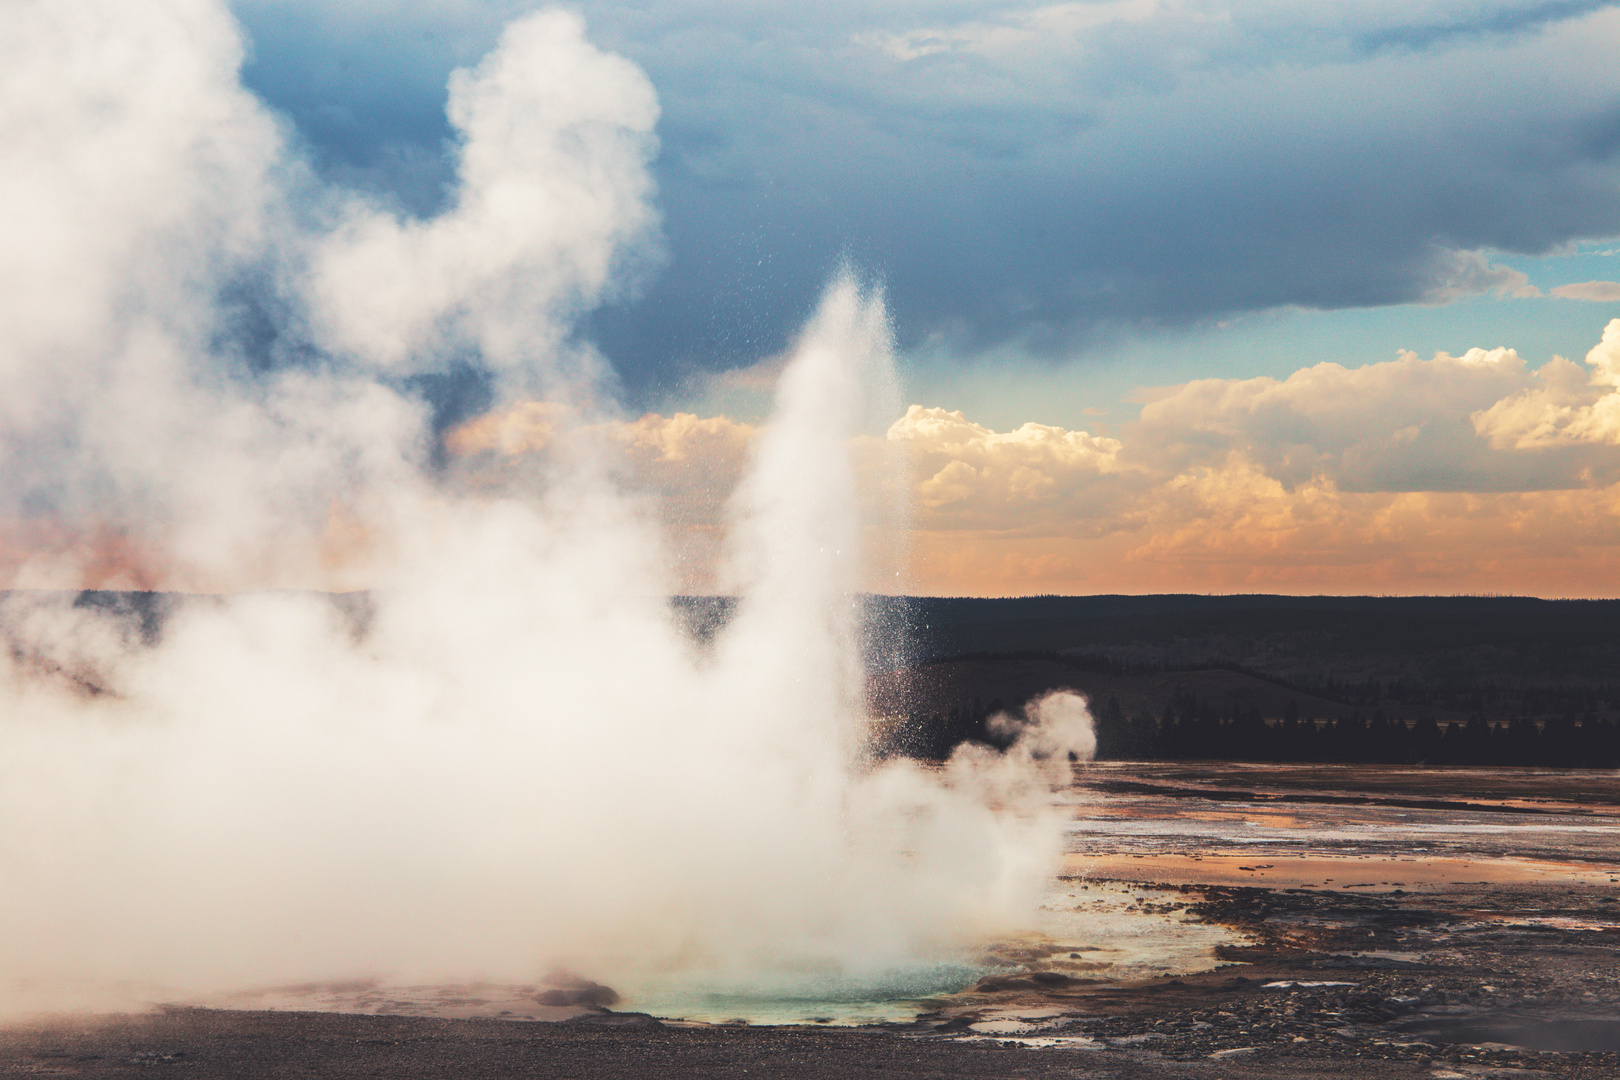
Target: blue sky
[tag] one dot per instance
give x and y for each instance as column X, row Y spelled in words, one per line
column 1065, row 201
column 1187, row 295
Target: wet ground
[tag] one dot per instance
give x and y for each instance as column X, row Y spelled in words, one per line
column 1213, row 921
column 1465, row 921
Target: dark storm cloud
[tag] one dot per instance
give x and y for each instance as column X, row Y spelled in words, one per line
column 1030, row 173
column 1475, row 22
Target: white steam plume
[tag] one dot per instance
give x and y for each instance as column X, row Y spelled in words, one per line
column 555, row 137
column 513, row 753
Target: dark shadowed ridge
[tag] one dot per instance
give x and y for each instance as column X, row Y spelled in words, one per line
column 910, row 629
column 1454, row 679
column 1170, row 623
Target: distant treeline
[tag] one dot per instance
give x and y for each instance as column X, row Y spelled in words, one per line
column 1366, row 694
column 1191, row 730
column 1332, row 644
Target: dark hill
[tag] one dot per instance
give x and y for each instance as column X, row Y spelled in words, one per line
column 1519, row 679
column 1513, row 679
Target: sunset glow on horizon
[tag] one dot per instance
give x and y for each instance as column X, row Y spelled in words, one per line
column 1453, row 475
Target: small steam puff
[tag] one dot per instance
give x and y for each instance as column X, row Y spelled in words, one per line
column 1051, row 733
column 509, row 752
column 1054, row 727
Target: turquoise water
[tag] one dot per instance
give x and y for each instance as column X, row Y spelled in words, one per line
column 1086, row 930
column 796, row 997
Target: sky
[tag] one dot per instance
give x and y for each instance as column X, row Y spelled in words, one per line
column 1185, row 296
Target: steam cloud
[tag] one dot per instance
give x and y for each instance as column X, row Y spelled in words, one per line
column 512, row 754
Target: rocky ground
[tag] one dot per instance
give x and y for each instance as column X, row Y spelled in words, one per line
column 1491, row 951
column 272, row 1046
column 1471, row 982
column 1465, row 981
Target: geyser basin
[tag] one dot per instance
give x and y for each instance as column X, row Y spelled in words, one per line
column 1090, row 931
column 1102, row 931
column 803, row 997
column 515, row 755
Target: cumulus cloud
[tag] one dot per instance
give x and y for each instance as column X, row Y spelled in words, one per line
column 1236, row 528
column 1025, row 480
column 1565, row 406
column 1402, row 425
column 1232, row 528
column 677, row 452
column 686, row 466
column 1452, row 473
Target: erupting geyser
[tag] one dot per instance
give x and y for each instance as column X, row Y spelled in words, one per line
column 511, row 754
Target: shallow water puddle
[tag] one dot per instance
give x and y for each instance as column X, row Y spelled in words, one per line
column 1085, row 930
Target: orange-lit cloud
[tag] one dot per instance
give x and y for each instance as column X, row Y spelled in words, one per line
column 684, row 465
column 1454, row 474
column 1404, row 425
column 50, row 555
column 1028, row 480
column 1469, row 473
column 1566, row 407
column 683, row 455
column 1233, row 529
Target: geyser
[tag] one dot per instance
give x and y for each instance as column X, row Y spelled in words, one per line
column 511, row 755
